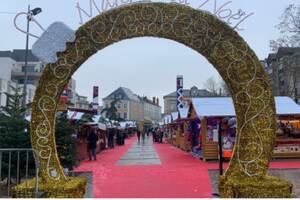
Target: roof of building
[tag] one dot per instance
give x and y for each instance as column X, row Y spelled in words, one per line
column 187, row 93
column 145, row 99
column 283, row 51
column 19, row 55
column 223, row 106
column 122, row 93
column 271, row 57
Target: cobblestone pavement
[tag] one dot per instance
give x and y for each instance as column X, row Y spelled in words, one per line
column 292, row 175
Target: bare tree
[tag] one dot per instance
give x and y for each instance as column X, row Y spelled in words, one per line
column 224, row 89
column 289, row 28
column 211, row 85
column 291, row 76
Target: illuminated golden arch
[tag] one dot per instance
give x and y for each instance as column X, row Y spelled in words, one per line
column 201, row 31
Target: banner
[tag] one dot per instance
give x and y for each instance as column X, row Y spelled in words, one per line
column 179, row 91
column 95, row 98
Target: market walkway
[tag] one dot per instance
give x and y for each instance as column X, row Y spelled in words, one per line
column 140, row 154
column 152, row 170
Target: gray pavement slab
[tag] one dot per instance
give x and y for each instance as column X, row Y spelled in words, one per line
column 140, row 154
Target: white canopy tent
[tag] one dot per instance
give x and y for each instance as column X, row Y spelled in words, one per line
column 167, row 119
column 223, row 106
column 127, row 124
column 74, row 115
column 174, row 116
column 183, row 112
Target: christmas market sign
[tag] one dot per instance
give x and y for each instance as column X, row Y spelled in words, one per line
column 219, row 43
column 220, row 10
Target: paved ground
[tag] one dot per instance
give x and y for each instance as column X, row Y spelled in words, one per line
column 141, row 153
column 161, row 170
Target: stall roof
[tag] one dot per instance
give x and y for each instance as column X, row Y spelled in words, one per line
column 74, row 115
column 101, row 126
column 127, row 124
column 183, row 112
column 174, row 116
column 223, row 106
column 98, row 124
column 96, row 118
column 167, row 119
column 286, row 106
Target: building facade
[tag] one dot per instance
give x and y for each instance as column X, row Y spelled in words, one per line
column 132, row 107
column 72, row 96
column 129, row 106
column 81, row 102
column 170, row 104
column 283, row 68
column 12, row 73
column 151, row 109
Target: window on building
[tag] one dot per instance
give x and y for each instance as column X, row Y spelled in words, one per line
column 29, row 94
column 125, row 105
column 125, row 115
column 119, row 105
column 29, row 68
column 30, row 81
column 119, row 115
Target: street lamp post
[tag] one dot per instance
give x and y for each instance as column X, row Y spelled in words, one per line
column 30, row 14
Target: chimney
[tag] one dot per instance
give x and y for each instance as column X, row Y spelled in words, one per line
column 157, row 101
column 153, row 100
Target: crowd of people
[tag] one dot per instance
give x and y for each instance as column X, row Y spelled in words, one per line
column 97, row 139
column 157, row 134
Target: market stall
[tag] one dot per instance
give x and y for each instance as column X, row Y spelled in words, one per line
column 81, row 140
column 176, row 127
column 287, row 143
column 167, row 120
column 184, row 141
column 217, row 116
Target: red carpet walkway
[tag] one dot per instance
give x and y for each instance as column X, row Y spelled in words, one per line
column 179, row 174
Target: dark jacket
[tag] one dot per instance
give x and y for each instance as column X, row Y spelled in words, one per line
column 92, row 140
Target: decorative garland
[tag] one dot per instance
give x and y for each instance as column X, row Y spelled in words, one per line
column 201, row 31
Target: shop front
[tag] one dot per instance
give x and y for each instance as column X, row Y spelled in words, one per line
column 217, row 116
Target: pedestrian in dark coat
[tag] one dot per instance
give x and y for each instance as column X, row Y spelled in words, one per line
column 111, row 134
column 138, row 133
column 92, row 143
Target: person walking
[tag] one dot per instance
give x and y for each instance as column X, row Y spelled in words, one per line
column 92, row 143
column 143, row 136
column 138, row 133
column 111, row 138
column 154, row 135
column 161, row 135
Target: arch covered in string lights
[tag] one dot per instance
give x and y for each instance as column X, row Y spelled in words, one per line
column 210, row 37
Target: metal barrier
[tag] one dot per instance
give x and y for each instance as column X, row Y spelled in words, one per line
column 12, row 164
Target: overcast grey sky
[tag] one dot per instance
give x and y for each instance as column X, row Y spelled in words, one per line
column 148, row 66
